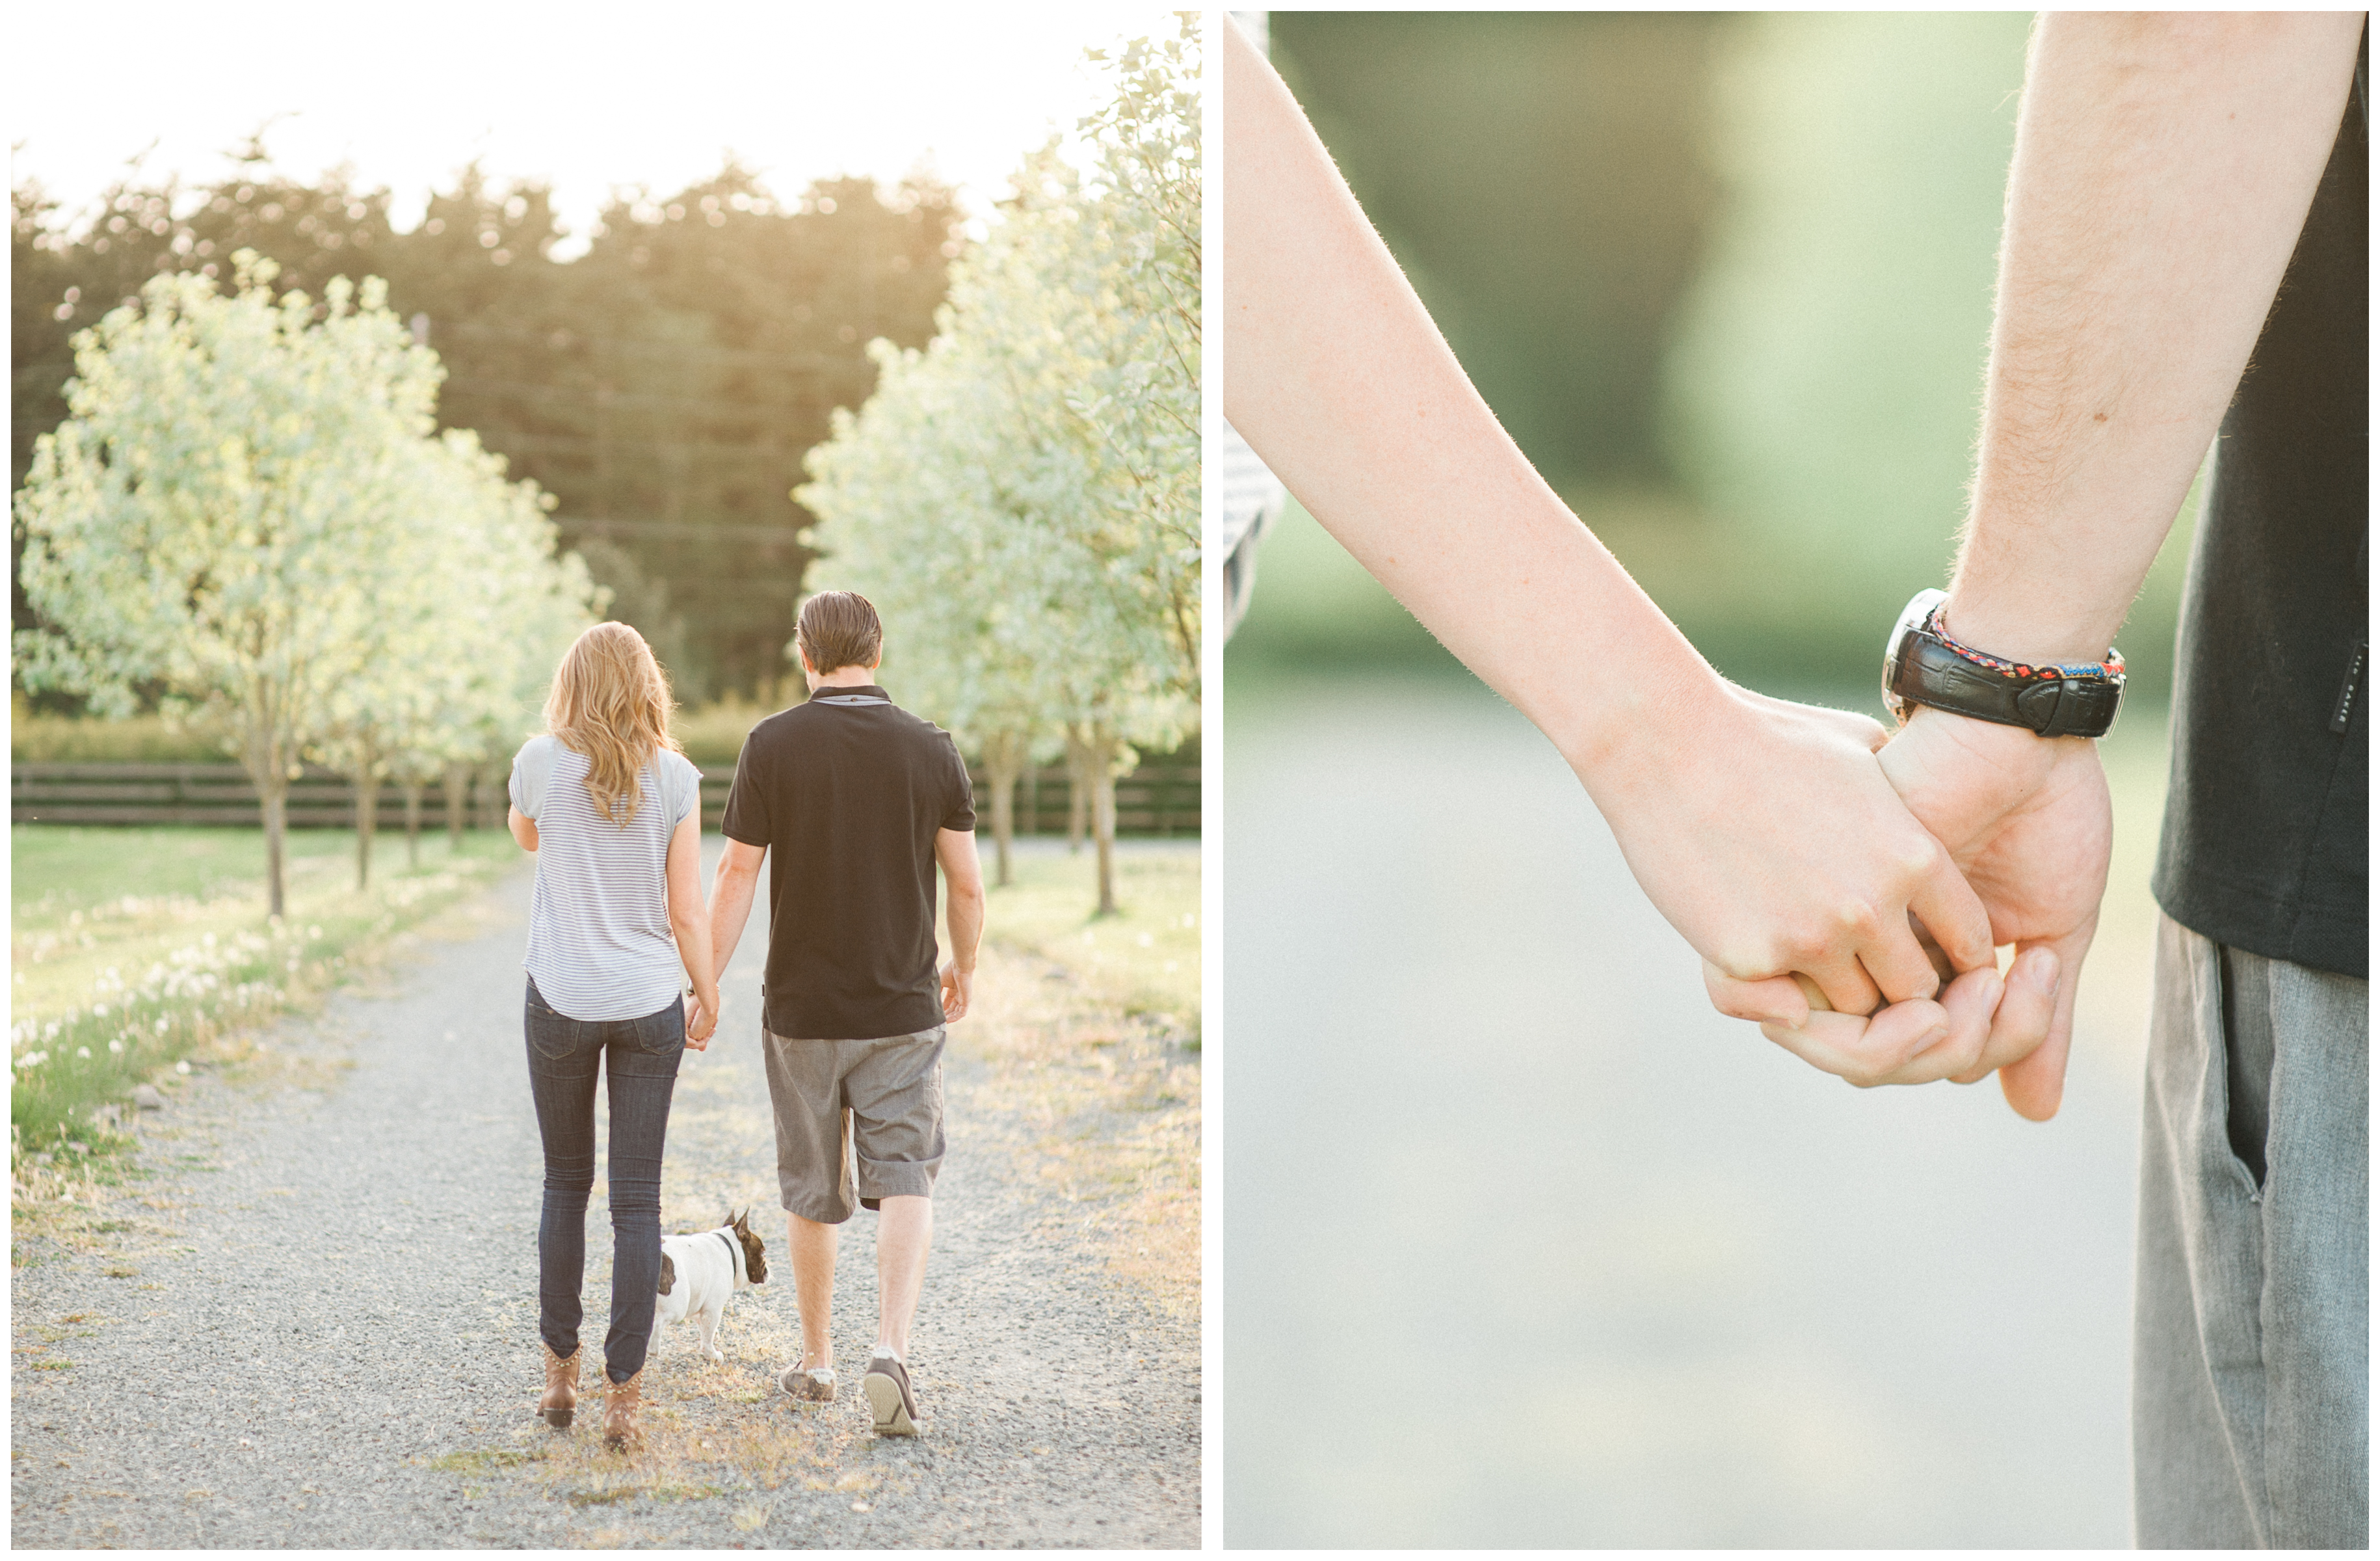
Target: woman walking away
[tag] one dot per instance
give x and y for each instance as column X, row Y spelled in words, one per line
column 611, row 805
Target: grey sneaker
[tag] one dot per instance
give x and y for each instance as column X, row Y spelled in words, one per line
column 816, row 1383
column 887, row 1386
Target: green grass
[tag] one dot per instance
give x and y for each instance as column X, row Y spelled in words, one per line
column 131, row 948
column 62, row 868
column 1146, row 957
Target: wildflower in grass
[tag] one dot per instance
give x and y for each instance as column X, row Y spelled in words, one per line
column 116, row 1047
column 182, row 1067
column 82, row 1051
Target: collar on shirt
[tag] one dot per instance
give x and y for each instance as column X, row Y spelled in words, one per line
column 864, row 693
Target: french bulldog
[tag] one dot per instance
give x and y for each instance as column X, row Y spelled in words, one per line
column 702, row 1270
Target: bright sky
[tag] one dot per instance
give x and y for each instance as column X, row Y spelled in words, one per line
column 587, row 96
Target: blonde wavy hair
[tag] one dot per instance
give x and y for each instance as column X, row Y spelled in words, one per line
column 610, row 702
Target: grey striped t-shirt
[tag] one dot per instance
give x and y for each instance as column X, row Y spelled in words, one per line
column 600, row 946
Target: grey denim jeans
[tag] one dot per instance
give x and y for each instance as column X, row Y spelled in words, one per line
column 2250, row 1335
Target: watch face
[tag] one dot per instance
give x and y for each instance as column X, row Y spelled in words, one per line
column 1911, row 618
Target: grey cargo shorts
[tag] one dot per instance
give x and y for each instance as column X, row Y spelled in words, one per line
column 873, row 1107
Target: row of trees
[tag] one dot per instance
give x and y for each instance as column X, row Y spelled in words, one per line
column 251, row 519
column 663, row 385
column 1020, row 498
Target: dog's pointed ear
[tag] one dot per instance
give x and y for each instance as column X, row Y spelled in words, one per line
column 669, row 1274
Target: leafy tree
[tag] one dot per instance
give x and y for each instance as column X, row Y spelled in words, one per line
column 664, row 385
column 933, row 549
column 471, row 614
column 247, row 519
column 681, row 443
column 205, row 522
column 1035, row 472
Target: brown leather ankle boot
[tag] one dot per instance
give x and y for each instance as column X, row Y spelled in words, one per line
column 560, row 1387
column 621, row 1401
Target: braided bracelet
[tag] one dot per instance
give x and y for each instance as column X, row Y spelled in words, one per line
column 2112, row 667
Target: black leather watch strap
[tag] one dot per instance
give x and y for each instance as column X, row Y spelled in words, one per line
column 1927, row 672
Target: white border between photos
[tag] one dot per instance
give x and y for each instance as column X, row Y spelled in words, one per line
column 1210, row 809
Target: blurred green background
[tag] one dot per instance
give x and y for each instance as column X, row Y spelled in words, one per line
column 1570, row 1258
column 1727, row 279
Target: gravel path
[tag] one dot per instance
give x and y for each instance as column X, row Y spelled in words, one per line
column 1675, row 1288
column 318, row 1325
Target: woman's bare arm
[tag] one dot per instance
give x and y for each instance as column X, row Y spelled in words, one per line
column 1764, row 831
column 691, row 923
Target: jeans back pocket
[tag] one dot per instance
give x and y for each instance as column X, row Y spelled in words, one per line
column 554, row 1036
column 663, row 1033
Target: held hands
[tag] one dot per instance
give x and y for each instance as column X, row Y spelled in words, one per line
column 701, row 1020
column 2028, row 824
column 2028, row 820
column 1768, row 834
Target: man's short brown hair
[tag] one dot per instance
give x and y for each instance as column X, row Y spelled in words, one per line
column 839, row 628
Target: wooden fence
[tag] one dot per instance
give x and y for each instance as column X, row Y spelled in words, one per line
column 1161, row 797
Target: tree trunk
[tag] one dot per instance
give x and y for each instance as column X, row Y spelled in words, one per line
column 457, row 776
column 1003, row 760
column 268, row 769
column 1079, row 791
column 1103, row 813
column 367, row 814
column 413, row 824
column 273, row 792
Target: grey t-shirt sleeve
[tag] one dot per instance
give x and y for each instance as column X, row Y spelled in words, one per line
column 681, row 786
column 532, row 768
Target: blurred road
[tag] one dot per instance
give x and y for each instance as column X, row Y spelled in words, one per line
column 1526, row 1246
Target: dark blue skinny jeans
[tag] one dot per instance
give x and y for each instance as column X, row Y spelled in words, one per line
column 638, row 1060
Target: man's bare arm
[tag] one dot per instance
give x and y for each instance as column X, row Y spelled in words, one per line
column 731, row 898
column 954, row 848
column 2165, row 162
column 2164, row 167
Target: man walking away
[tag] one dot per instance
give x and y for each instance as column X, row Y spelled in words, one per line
column 853, row 800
